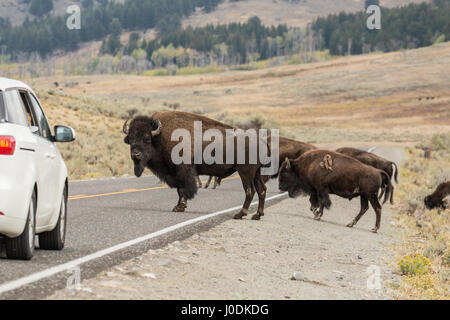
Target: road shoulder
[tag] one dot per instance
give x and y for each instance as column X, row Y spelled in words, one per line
column 258, row 260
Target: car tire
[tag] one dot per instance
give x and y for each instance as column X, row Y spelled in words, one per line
column 22, row 247
column 54, row 240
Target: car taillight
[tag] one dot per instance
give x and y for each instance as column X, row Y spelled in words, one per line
column 7, row 145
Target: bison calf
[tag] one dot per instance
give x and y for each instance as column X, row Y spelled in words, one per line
column 319, row 173
column 436, row 199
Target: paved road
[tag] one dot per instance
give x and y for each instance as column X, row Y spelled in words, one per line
column 107, row 213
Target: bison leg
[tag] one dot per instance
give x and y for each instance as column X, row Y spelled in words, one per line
column 313, row 199
column 199, row 181
column 208, row 182
column 377, row 207
column 217, row 182
column 261, row 190
column 324, row 201
column 187, row 186
column 182, row 202
column 362, row 211
column 247, row 179
column 318, row 213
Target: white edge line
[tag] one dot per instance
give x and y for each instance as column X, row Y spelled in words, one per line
column 71, row 264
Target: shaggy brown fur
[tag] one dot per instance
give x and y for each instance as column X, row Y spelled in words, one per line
column 348, row 179
column 291, row 149
column 374, row 161
column 151, row 146
column 436, row 199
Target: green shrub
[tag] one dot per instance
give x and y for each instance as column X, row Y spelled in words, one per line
column 417, row 265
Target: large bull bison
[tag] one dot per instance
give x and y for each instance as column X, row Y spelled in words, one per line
column 436, row 199
column 374, row 161
column 319, row 173
column 151, row 146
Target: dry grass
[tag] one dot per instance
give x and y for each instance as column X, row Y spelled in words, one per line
column 98, row 150
column 425, row 247
column 397, row 98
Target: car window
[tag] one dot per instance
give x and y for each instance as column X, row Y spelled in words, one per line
column 28, row 113
column 14, row 108
column 2, row 109
column 40, row 118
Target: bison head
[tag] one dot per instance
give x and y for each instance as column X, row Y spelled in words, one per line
column 288, row 179
column 141, row 135
column 431, row 203
column 428, row 202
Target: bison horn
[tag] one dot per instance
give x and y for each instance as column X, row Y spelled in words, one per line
column 288, row 163
column 157, row 131
column 125, row 127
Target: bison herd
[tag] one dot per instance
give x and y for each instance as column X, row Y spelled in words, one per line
column 303, row 168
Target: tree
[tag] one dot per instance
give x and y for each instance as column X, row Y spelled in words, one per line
column 371, row 2
column 41, row 7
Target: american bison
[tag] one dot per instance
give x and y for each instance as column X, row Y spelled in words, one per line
column 291, row 149
column 436, row 199
column 151, row 146
column 319, row 173
column 374, row 161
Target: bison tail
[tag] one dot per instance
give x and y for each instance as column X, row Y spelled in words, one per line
column 396, row 171
column 387, row 185
column 392, row 195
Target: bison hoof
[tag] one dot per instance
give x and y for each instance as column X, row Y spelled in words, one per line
column 375, row 230
column 350, row 225
column 178, row 209
column 238, row 216
column 317, row 217
column 256, row 216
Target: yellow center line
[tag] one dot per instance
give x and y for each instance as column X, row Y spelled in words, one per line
column 83, row 196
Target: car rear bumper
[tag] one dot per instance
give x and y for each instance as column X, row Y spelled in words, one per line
column 15, row 195
column 11, row 226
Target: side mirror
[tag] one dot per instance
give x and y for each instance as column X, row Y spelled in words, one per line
column 64, row 134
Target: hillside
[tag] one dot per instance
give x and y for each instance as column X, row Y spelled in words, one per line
column 274, row 12
column 399, row 97
column 17, row 10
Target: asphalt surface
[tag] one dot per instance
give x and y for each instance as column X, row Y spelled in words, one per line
column 108, row 212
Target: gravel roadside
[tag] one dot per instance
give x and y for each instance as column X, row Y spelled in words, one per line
column 286, row 255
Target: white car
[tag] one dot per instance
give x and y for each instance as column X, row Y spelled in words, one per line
column 33, row 176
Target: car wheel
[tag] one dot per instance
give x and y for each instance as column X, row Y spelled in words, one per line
column 54, row 240
column 22, row 247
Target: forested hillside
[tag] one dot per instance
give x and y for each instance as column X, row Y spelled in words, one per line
column 218, row 45
column 49, row 33
column 412, row 26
